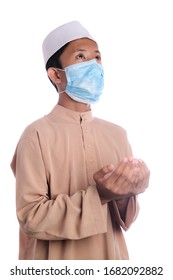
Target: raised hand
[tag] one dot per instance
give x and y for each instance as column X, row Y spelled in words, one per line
column 131, row 177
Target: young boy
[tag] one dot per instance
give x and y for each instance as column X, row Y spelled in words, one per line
column 76, row 179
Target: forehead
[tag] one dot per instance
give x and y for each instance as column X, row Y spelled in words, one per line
column 81, row 44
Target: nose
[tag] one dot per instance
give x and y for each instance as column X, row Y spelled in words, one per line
column 93, row 57
column 90, row 58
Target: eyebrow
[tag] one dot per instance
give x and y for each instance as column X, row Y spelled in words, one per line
column 83, row 50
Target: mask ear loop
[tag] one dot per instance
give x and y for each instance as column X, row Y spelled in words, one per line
column 61, row 69
column 61, row 91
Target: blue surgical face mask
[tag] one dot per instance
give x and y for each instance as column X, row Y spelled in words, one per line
column 85, row 81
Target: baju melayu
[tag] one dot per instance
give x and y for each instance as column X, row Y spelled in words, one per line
column 59, row 210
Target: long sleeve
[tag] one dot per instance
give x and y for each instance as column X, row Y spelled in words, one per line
column 132, row 210
column 65, row 217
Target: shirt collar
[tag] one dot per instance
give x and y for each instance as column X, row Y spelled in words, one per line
column 70, row 115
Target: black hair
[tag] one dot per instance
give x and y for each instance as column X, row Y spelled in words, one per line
column 54, row 61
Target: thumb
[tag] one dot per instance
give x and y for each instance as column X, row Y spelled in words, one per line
column 103, row 171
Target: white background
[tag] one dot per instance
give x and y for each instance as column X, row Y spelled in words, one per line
column 136, row 42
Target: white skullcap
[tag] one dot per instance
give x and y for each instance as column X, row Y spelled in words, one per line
column 62, row 35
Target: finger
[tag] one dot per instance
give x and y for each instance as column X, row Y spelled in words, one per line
column 120, row 173
column 145, row 173
column 103, row 171
column 143, row 179
column 116, row 173
column 129, row 178
column 119, row 170
column 130, row 175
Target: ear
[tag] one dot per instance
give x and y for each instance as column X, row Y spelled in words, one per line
column 54, row 75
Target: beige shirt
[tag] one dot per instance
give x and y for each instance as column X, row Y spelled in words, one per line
column 58, row 207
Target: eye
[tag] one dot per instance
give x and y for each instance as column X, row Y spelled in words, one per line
column 80, row 56
column 98, row 57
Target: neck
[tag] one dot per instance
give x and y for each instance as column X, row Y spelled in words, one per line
column 67, row 102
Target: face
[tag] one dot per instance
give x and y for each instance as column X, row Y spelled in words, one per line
column 77, row 51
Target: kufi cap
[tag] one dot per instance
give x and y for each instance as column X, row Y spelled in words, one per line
column 62, row 35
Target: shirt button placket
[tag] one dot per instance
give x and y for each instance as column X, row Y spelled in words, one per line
column 87, row 138
column 89, row 156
